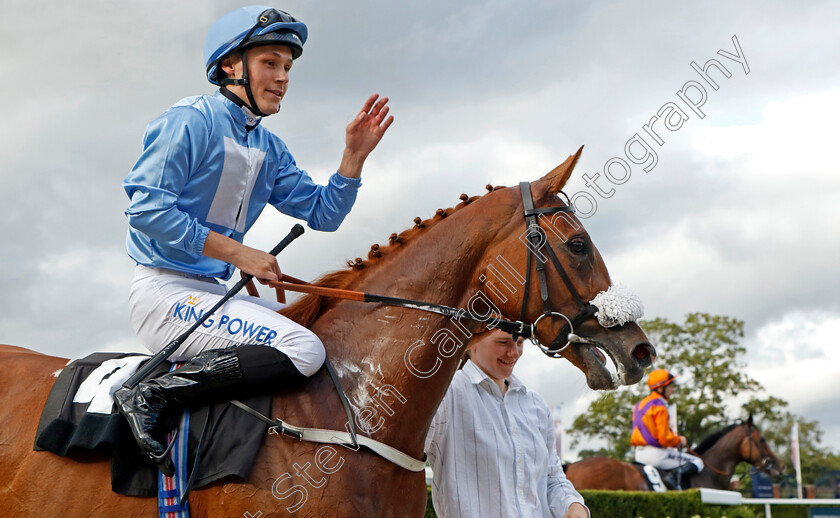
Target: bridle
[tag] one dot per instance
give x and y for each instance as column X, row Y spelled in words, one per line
column 766, row 460
column 537, row 243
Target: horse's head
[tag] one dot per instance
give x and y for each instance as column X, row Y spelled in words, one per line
column 574, row 274
column 755, row 450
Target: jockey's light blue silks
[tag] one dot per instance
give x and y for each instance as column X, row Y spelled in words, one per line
column 203, row 169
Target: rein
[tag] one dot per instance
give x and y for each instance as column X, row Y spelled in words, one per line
column 707, row 465
column 293, row 284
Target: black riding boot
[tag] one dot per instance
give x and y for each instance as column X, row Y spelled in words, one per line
column 687, row 470
column 152, row 407
column 671, row 478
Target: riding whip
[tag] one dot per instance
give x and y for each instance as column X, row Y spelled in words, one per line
column 172, row 346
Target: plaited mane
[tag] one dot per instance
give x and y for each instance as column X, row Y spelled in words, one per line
column 309, row 307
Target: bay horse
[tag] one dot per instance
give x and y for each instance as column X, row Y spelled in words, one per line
column 720, row 451
column 395, row 365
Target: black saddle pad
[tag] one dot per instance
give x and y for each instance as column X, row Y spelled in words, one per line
column 229, row 446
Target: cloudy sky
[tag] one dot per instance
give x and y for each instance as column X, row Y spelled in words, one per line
column 735, row 217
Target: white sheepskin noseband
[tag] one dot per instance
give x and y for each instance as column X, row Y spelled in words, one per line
column 617, row 306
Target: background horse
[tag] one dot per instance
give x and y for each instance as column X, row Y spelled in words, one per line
column 394, row 363
column 720, row 451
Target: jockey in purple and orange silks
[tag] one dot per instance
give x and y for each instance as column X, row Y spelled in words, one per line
column 656, row 444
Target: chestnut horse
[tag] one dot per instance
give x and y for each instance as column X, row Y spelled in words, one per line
column 720, row 451
column 395, row 365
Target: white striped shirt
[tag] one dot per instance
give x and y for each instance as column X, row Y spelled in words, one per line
column 494, row 456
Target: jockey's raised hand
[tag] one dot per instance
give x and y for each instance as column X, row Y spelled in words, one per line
column 363, row 134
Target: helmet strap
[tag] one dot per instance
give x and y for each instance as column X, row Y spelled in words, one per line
column 232, row 97
column 253, row 107
column 243, row 81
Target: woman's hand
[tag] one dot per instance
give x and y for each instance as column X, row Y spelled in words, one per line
column 577, row 511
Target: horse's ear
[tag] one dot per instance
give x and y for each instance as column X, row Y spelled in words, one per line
column 549, row 185
column 750, row 420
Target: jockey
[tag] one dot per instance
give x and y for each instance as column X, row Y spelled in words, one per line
column 207, row 170
column 653, row 438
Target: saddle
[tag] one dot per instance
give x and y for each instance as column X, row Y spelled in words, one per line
column 79, row 421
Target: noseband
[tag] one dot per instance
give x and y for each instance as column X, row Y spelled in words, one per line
column 537, row 242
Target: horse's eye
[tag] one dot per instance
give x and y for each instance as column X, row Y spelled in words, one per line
column 577, row 246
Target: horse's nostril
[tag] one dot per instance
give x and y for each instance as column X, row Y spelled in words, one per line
column 645, row 354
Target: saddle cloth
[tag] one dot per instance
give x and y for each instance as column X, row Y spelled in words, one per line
column 652, row 477
column 79, row 418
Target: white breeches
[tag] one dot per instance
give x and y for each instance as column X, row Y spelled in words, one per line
column 666, row 458
column 165, row 303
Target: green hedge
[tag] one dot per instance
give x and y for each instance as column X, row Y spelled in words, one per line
column 784, row 511
column 673, row 504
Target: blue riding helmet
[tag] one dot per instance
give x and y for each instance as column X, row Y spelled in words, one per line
column 248, row 27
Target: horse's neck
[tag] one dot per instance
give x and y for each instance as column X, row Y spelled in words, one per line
column 723, row 457
column 396, row 363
